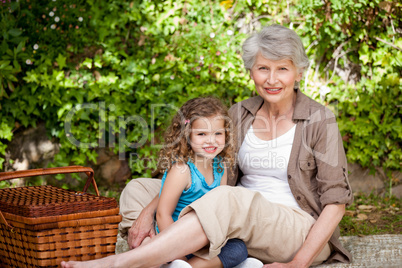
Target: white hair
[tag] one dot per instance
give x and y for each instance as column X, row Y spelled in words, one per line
column 275, row 42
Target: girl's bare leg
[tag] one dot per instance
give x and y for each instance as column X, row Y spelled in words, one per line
column 181, row 238
column 146, row 240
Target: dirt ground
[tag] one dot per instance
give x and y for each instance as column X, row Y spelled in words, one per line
column 378, row 218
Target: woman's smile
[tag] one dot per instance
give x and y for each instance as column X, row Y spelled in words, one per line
column 273, row 90
column 275, row 79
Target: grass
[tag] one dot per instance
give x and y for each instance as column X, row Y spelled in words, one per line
column 372, row 214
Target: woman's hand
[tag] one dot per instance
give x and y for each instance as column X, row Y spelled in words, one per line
column 140, row 229
column 143, row 227
column 317, row 238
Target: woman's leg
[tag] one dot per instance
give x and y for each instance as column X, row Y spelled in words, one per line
column 137, row 194
column 179, row 239
column 270, row 231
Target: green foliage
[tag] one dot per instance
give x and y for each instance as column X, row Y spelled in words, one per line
column 357, row 54
column 111, row 73
column 97, row 72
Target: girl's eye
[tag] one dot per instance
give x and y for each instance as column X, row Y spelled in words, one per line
column 200, row 134
column 218, row 133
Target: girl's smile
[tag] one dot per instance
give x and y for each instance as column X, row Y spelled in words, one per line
column 207, row 138
column 210, row 150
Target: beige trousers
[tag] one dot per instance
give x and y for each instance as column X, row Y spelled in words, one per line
column 272, row 232
column 137, row 194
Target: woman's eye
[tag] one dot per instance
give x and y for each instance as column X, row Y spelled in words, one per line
column 218, row 133
column 262, row 68
column 283, row 68
column 201, row 134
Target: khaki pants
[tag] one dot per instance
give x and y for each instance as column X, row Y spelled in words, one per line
column 272, row 232
column 137, row 194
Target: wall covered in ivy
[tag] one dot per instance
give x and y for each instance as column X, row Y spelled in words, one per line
column 103, row 73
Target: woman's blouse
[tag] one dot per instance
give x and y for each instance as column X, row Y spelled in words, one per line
column 264, row 165
column 317, row 169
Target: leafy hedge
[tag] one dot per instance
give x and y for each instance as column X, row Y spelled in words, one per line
column 110, row 73
column 359, row 52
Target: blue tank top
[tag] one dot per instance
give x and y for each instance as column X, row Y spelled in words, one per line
column 198, row 187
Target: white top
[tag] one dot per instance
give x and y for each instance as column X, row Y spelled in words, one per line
column 264, row 165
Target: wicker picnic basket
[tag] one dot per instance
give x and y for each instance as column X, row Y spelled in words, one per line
column 42, row 225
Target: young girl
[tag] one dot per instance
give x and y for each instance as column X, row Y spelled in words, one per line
column 198, row 146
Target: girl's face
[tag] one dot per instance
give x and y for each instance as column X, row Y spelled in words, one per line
column 275, row 80
column 207, row 138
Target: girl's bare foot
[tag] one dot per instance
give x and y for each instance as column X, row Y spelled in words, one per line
column 99, row 263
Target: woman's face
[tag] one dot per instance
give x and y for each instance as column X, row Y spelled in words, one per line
column 275, row 79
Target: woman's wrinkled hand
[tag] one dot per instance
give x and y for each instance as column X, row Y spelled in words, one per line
column 142, row 228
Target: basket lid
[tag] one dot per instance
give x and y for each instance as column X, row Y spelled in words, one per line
column 47, row 200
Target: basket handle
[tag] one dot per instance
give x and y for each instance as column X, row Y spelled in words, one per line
column 52, row 171
column 48, row 171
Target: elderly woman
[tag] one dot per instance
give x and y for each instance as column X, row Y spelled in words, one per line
column 291, row 177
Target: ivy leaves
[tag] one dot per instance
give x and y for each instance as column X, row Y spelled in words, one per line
column 364, row 34
column 136, row 62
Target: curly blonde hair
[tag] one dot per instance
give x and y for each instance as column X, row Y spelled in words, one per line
column 177, row 136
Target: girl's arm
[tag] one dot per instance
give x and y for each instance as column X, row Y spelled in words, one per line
column 177, row 180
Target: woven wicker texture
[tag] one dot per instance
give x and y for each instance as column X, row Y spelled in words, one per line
column 47, row 200
column 47, row 248
column 42, row 225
